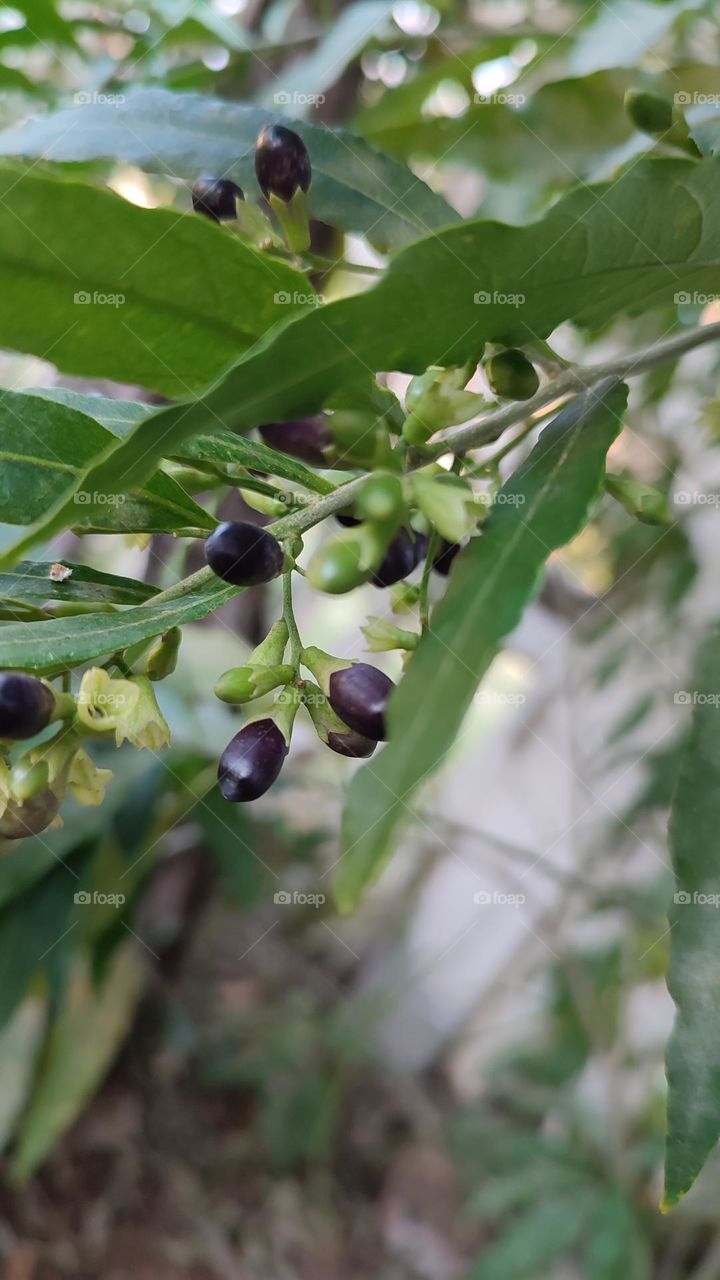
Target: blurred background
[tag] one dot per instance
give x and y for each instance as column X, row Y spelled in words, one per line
column 206, row 1072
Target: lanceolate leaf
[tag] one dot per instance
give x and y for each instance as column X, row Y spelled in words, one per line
column 46, row 450
column 82, row 1044
column 626, row 246
column 541, row 507
column 32, row 580
column 67, row 642
column 354, row 186
column 693, row 1056
column 144, row 296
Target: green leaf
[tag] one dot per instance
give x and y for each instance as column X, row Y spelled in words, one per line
column 534, row 1240
column 30, row 927
column 46, row 450
column 614, row 1247
column 20, row 1043
column 693, row 1055
column 353, row 187
column 31, row 580
column 66, row 642
column 81, row 1047
column 224, row 447
column 144, row 296
column 627, row 246
column 541, row 507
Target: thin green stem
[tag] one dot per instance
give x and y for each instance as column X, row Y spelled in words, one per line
column 296, row 645
column 424, row 601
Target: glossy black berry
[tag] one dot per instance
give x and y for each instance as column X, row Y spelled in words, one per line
column 243, row 554
column 282, row 164
column 251, row 761
column 442, row 563
column 351, row 744
column 421, row 546
column 304, row 438
column 398, row 561
column 358, row 695
column 347, row 520
column 26, row 705
column 216, row 197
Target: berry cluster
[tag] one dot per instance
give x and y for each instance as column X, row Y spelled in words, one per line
column 408, row 516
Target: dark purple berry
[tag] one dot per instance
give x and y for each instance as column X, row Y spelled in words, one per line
column 304, row 438
column 26, row 705
column 442, row 563
column 351, row 744
column 421, row 546
column 243, row 553
column 358, row 695
column 398, row 561
column 282, row 164
column 216, row 197
column 347, row 520
column 251, row 761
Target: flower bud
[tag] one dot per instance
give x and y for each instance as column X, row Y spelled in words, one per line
column 640, row 500
column 243, row 553
column 216, row 198
column 383, row 636
column 243, row 684
column 357, row 692
column 26, row 705
column 303, row 438
column 446, row 500
column 162, row 656
column 360, row 439
column 331, row 729
column 436, row 399
column 511, row 375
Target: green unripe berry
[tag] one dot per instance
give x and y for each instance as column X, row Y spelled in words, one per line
column 381, row 499
column 511, row 375
column 338, row 566
column 244, row 684
column 649, row 112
